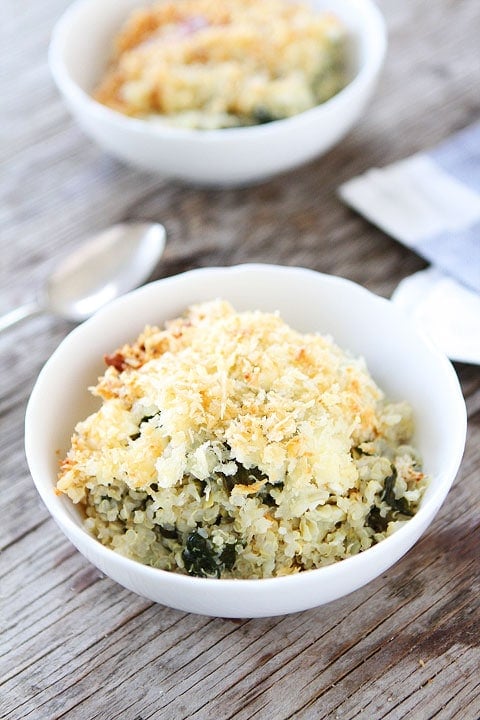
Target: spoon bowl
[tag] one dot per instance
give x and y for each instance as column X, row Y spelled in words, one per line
column 108, row 265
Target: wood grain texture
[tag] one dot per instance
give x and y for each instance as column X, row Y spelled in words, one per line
column 74, row 644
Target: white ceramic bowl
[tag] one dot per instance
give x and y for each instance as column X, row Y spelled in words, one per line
column 404, row 364
column 79, row 52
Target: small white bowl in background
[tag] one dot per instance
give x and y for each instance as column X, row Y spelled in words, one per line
column 404, row 364
column 79, row 52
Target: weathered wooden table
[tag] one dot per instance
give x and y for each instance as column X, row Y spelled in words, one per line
column 73, row 643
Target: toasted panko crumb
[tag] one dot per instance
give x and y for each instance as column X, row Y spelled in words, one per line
column 209, row 64
column 229, row 443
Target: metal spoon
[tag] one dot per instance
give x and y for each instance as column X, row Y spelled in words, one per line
column 111, row 263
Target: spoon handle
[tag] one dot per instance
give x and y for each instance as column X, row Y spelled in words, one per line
column 19, row 314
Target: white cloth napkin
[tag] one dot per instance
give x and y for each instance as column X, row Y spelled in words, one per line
column 431, row 203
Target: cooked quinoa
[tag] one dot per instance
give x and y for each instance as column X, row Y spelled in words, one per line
column 209, row 64
column 229, row 445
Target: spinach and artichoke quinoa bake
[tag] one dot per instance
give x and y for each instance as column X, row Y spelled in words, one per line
column 230, row 445
column 208, row 64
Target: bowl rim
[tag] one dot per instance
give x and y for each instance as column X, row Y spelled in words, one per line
column 81, row 538
column 77, row 95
